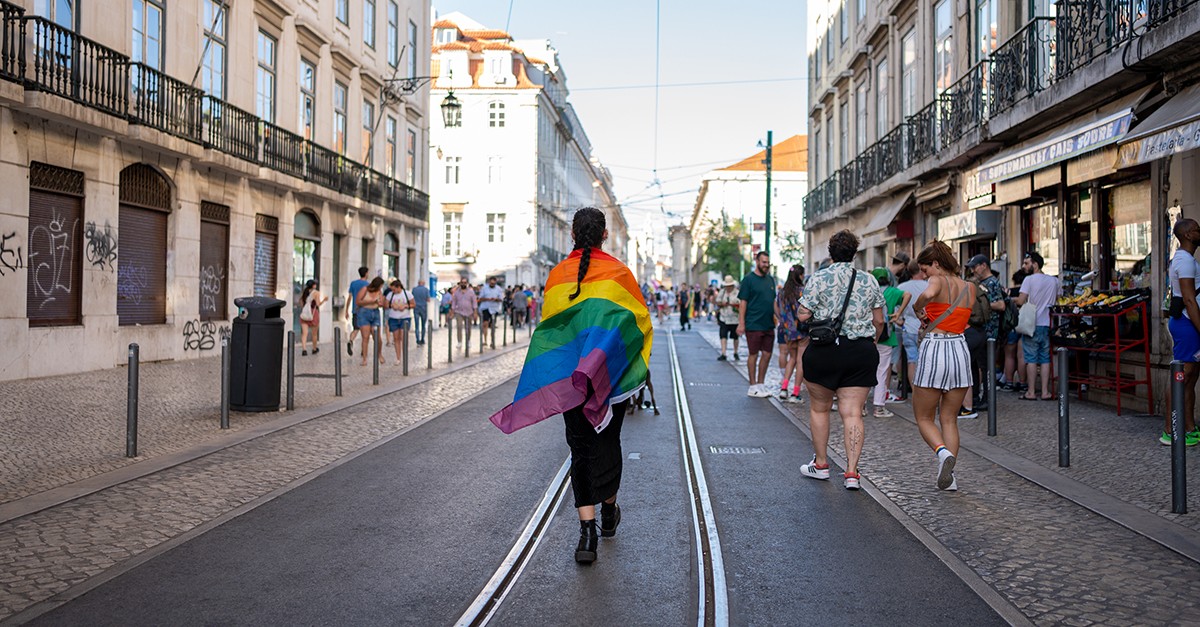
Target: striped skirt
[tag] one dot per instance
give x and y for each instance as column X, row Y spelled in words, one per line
column 943, row 362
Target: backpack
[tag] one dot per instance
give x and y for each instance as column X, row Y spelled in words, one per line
column 981, row 309
column 307, row 309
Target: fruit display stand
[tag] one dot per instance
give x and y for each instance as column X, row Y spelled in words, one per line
column 1113, row 326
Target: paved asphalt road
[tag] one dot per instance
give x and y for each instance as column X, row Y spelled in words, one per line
column 409, row 532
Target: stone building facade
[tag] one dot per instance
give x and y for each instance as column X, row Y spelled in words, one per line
column 1003, row 128
column 510, row 172
column 162, row 159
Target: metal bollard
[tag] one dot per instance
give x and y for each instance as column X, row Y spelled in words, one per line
column 991, row 386
column 467, row 339
column 450, row 339
column 337, row 361
column 514, row 328
column 504, row 333
column 291, row 370
column 428, row 348
column 375, row 362
column 131, row 403
column 1178, row 454
column 404, row 347
column 1064, row 411
column 481, row 336
column 224, row 383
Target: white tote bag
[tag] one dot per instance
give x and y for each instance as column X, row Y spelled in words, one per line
column 1027, row 319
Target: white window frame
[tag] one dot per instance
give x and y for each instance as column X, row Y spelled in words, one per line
column 308, row 99
column 368, row 22
column 341, row 100
column 266, row 52
column 214, row 48
column 496, row 114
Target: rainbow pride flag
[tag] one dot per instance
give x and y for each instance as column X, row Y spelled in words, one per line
column 600, row 340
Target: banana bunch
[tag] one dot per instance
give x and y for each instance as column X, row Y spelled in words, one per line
column 1089, row 298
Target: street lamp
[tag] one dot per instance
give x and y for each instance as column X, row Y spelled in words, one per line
column 767, row 162
column 396, row 88
column 451, row 111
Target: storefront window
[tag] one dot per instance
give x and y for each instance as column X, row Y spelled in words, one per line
column 1043, row 235
column 1129, row 209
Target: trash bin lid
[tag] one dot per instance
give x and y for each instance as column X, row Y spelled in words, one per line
column 258, row 302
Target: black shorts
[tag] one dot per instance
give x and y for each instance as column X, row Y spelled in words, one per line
column 485, row 316
column 847, row 364
column 727, row 331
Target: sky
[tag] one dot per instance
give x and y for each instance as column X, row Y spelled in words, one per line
column 751, row 54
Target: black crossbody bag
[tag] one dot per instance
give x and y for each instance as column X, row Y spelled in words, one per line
column 826, row 332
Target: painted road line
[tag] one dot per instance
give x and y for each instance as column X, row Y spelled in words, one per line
column 713, row 597
column 497, row 588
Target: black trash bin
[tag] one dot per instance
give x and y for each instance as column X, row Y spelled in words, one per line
column 256, row 354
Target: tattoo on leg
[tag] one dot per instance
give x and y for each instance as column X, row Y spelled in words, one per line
column 854, row 433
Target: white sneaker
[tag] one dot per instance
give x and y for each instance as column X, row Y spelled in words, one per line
column 850, row 482
column 752, row 390
column 783, row 394
column 810, row 470
column 953, row 484
column 763, row 392
column 945, row 476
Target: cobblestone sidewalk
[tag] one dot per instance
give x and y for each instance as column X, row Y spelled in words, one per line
column 59, row 430
column 1057, row 562
column 47, row 552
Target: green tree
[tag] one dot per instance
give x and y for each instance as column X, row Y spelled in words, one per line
column 792, row 250
column 725, row 253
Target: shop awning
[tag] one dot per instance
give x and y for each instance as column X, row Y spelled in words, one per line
column 1106, row 125
column 1174, row 127
column 886, row 213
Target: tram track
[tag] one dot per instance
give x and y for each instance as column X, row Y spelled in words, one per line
column 712, row 608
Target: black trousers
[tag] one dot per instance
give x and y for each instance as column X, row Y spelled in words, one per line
column 595, row 457
column 977, row 345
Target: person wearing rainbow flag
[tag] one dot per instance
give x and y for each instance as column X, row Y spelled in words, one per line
column 589, row 354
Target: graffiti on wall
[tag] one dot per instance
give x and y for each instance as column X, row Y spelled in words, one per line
column 132, row 282
column 101, row 245
column 212, row 278
column 203, row 336
column 11, row 259
column 50, row 252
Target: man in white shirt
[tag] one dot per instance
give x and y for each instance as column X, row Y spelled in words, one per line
column 1041, row 290
column 491, row 298
column 1184, row 325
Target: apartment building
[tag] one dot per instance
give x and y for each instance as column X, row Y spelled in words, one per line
column 512, row 167
column 161, row 159
column 1066, row 128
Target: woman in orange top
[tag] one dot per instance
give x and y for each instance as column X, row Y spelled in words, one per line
column 943, row 375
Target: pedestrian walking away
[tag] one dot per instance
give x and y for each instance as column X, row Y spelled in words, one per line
column 914, row 287
column 986, row 313
column 587, row 357
column 728, row 306
column 463, row 306
column 1040, row 291
column 399, row 314
column 756, row 321
column 420, row 311
column 356, row 286
column 848, row 303
column 895, row 300
column 943, row 369
column 792, row 333
column 1184, row 324
column 369, row 301
column 311, row 301
column 685, row 306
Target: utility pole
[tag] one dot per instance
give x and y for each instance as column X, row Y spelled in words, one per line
column 767, row 241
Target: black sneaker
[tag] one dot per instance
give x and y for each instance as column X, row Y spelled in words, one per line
column 722, row 357
column 963, row 412
column 350, row 348
column 585, row 552
column 736, row 358
column 610, row 517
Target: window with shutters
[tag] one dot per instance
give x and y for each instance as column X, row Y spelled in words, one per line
column 214, row 261
column 55, row 257
column 145, row 203
column 266, row 247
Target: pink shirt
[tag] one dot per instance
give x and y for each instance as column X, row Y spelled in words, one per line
column 463, row 302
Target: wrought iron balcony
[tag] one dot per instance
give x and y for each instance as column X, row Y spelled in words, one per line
column 75, row 67
column 921, row 135
column 821, row 203
column 1024, row 65
column 963, row 106
column 283, row 151
column 163, row 103
column 323, row 166
column 12, row 42
column 229, row 129
column 408, row 201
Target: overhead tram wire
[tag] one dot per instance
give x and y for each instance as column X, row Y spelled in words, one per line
column 696, row 84
column 657, row 84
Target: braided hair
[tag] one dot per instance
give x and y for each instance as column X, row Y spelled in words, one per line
column 588, row 230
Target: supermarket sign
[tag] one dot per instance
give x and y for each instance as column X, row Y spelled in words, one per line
column 1097, row 134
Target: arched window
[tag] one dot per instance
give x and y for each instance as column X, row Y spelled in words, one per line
column 145, row 204
column 496, row 114
column 391, row 255
column 306, row 255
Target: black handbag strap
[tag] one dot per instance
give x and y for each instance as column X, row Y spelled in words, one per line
column 845, row 303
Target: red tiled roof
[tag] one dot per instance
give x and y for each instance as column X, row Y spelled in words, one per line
column 487, row 33
column 790, row 155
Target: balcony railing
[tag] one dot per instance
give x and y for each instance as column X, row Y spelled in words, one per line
column 921, row 135
column 229, row 129
column 963, row 107
column 323, row 166
column 283, row 151
column 163, row 103
column 12, row 41
column 409, row 201
column 1024, row 65
column 77, row 68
